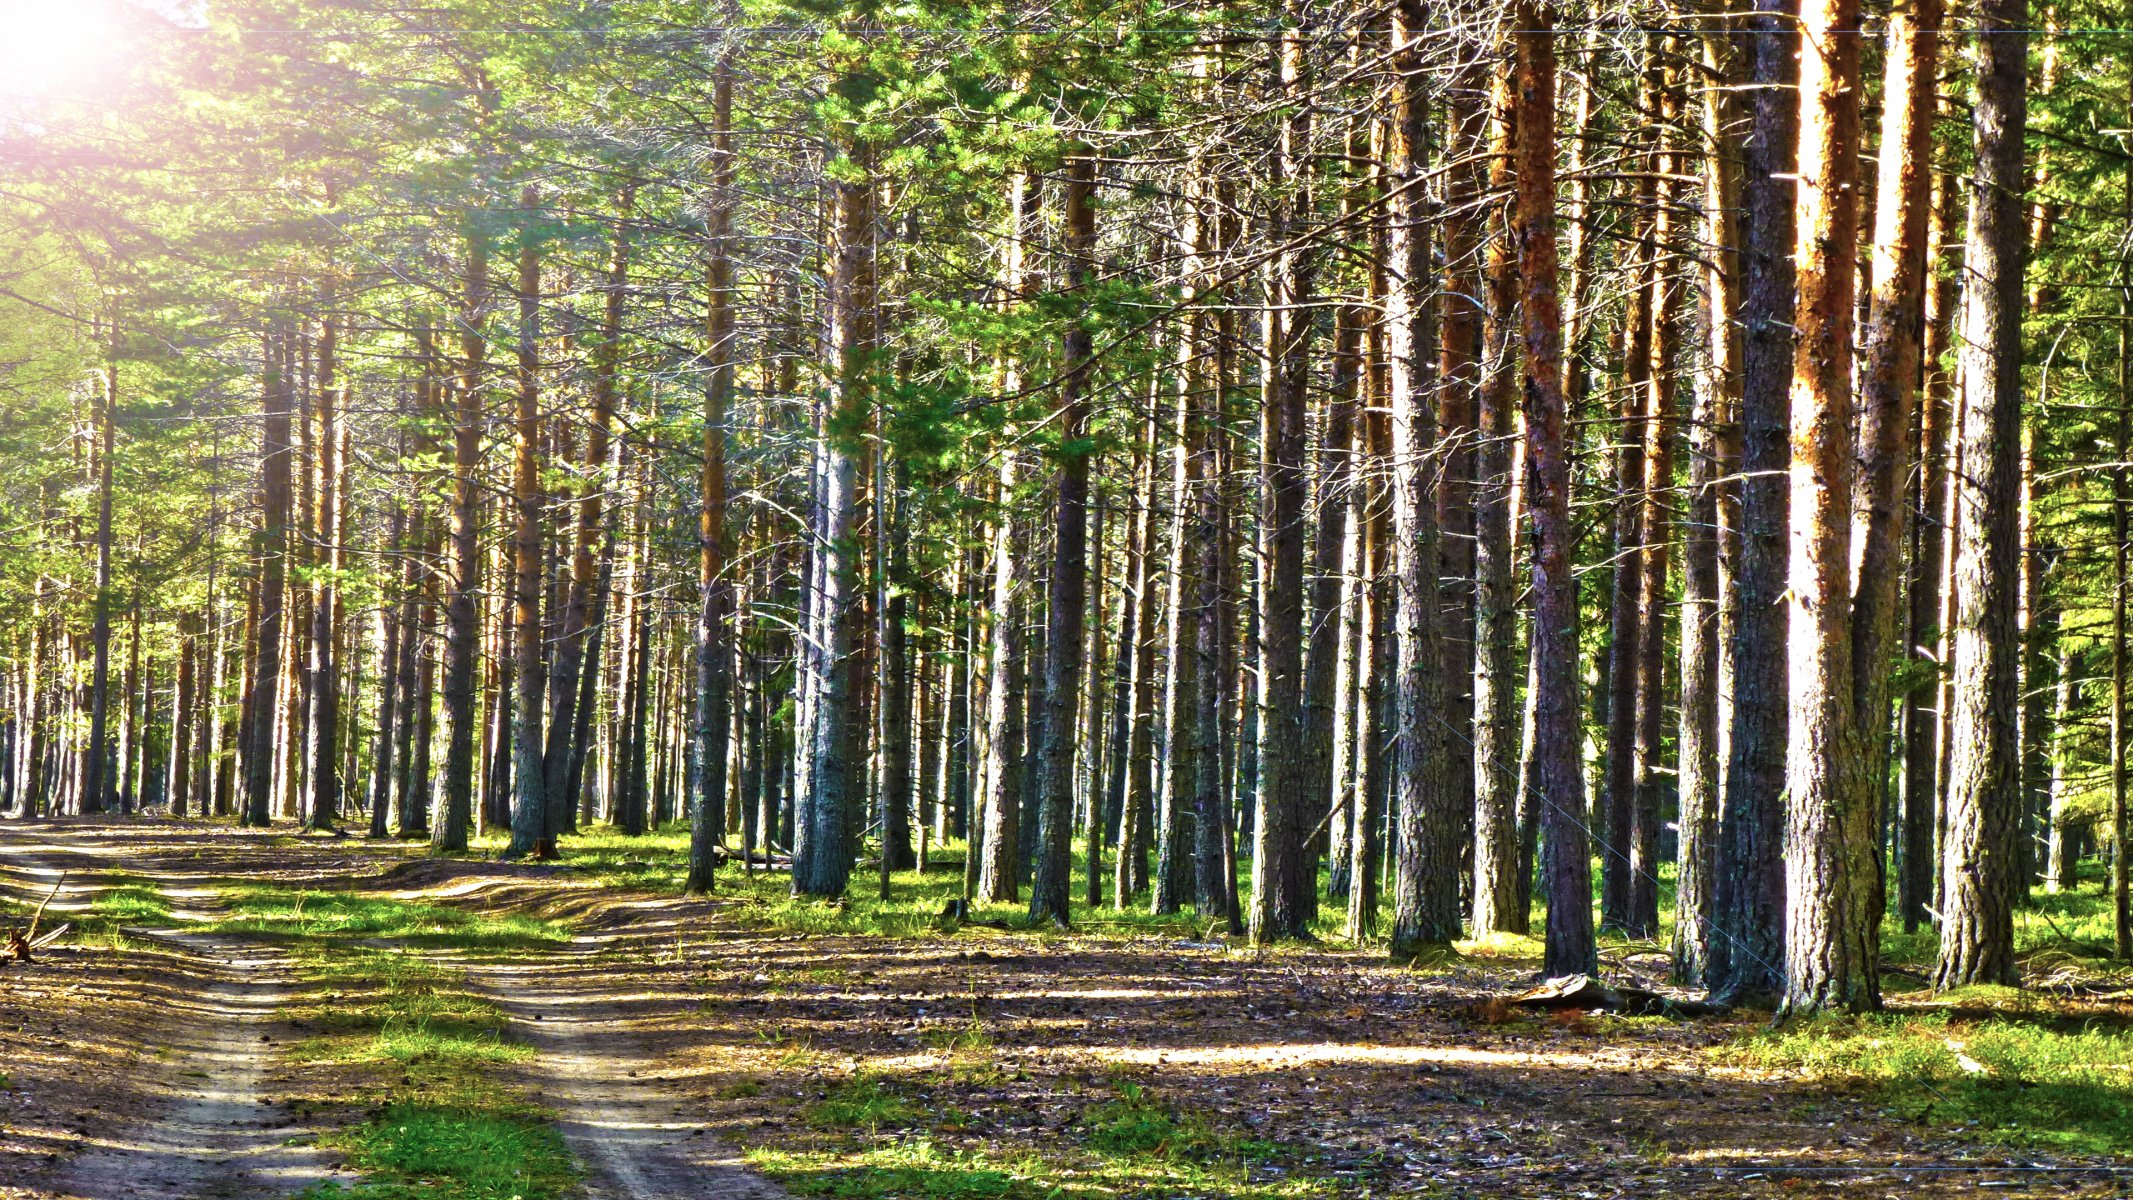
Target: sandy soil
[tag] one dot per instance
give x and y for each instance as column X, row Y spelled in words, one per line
column 675, row 1034
column 160, row 1052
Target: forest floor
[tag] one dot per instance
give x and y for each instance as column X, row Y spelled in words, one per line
column 345, row 1014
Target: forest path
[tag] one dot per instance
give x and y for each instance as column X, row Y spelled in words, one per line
column 599, row 1070
column 204, row 1127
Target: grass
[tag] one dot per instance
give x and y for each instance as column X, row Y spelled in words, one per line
column 881, row 1138
column 339, row 917
column 405, row 1048
column 423, row 1048
column 2028, row 1078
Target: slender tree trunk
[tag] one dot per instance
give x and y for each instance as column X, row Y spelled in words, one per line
column 1921, row 707
column 1051, row 890
column 1557, row 774
column 1656, row 533
column 1425, row 865
column 1979, row 858
column 822, row 860
column 1832, row 950
column 1498, row 900
column 1284, row 885
column 273, row 566
column 463, row 612
column 530, row 832
column 325, row 798
column 97, row 784
column 1889, row 387
column 1710, row 514
column 714, row 619
column 1748, row 903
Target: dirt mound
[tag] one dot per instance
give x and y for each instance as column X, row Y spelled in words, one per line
column 428, row 873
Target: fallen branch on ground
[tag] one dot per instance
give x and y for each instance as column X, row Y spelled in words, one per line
column 1583, row 991
column 20, row 943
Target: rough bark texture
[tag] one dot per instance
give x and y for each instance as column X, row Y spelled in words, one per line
column 823, row 850
column 1558, row 776
column 1700, row 745
column 463, row 611
column 1052, row 886
column 1979, row 868
column 1888, row 389
column 1656, row 534
column 1425, row 862
column 1915, row 856
column 714, row 600
column 1499, row 902
column 1748, row 903
column 1284, row 883
column 273, row 568
column 529, row 831
column 1831, row 948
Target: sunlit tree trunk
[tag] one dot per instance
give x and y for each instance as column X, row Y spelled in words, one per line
column 1425, row 864
column 1557, row 774
column 273, row 566
column 713, row 657
column 1748, row 903
column 1284, row 884
column 1979, row 861
column 1709, row 513
column 530, row 833
column 1921, row 707
column 1498, row 900
column 1831, row 875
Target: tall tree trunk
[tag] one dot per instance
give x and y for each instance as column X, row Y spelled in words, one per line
column 1921, row 707
column 822, row 857
column 325, row 799
column 1710, row 516
column 1832, row 951
column 1748, row 903
column 97, row 783
column 463, row 611
column 1052, row 887
column 1284, row 884
column 1558, row 776
column 1655, row 534
column 1425, row 865
column 273, row 567
column 1132, row 718
column 714, row 618
column 530, row 830
column 1889, row 387
column 1978, row 857
column 1499, row 906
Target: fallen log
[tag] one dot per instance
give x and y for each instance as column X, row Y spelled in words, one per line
column 1583, row 991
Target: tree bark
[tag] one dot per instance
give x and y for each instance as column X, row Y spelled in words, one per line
column 1831, row 929
column 1558, row 776
column 1051, row 890
column 1978, row 857
column 1748, row 903
column 462, row 610
column 714, row 618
